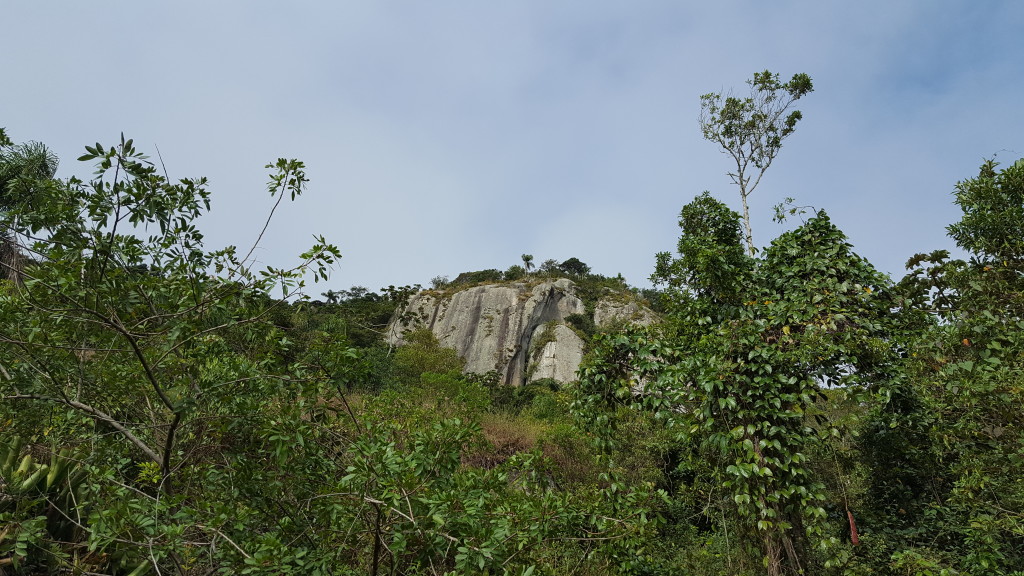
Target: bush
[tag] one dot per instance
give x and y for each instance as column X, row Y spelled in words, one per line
column 583, row 323
column 489, row 275
column 548, row 406
column 512, row 399
column 423, row 353
column 515, row 272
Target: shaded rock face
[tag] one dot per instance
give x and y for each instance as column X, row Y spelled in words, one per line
column 516, row 329
column 492, row 326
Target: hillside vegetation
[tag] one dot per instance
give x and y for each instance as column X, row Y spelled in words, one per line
column 166, row 408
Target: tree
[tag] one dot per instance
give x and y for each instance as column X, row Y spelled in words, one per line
column 528, row 262
column 574, row 267
column 154, row 362
column 751, row 129
column 24, row 169
column 514, row 272
column 992, row 226
column 751, row 352
column 549, row 266
column 943, row 451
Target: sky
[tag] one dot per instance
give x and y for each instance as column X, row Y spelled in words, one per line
column 449, row 136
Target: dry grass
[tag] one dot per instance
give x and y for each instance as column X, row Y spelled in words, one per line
column 506, row 436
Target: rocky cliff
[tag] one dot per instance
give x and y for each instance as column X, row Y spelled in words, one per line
column 517, row 329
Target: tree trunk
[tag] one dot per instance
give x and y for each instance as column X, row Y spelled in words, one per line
column 749, row 233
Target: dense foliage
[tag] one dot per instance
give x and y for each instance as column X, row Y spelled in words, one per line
column 162, row 413
column 168, row 409
column 832, row 421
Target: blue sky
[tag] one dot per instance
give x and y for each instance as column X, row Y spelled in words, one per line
column 442, row 137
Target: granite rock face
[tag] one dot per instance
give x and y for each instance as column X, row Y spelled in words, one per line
column 517, row 329
column 558, row 355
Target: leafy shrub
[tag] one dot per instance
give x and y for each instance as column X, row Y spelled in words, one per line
column 548, row 405
column 572, row 453
column 583, row 323
column 463, row 397
column 514, row 272
column 423, row 353
column 512, row 399
column 480, row 276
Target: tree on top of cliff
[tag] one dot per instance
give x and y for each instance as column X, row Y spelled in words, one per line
column 574, row 267
column 527, row 262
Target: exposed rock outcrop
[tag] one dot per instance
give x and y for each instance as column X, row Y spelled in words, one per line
column 491, row 326
column 556, row 353
column 611, row 310
column 517, row 329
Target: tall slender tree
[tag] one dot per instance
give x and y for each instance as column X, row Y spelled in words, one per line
column 751, row 129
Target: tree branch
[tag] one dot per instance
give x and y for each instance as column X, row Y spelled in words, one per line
column 98, row 415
